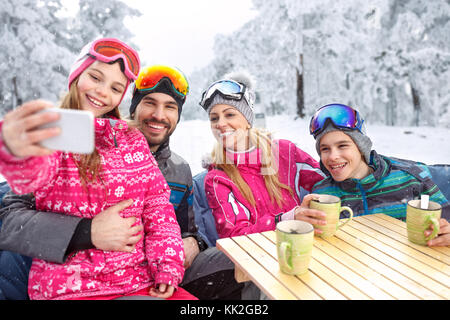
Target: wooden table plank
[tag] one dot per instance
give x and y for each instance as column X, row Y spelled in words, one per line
column 400, row 227
column 260, row 276
column 401, row 257
column 350, row 245
column 369, row 258
column 371, row 228
column 420, row 284
column 312, row 279
column 383, row 228
column 321, row 287
column 333, row 279
column 344, row 280
column 393, row 224
column 295, row 285
column 363, row 270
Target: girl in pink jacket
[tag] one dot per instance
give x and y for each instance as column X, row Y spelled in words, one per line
column 121, row 167
column 253, row 181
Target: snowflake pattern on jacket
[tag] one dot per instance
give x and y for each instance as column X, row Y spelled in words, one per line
column 129, row 171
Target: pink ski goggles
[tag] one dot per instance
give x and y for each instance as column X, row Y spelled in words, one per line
column 109, row 49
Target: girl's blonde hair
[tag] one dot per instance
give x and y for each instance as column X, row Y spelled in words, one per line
column 269, row 159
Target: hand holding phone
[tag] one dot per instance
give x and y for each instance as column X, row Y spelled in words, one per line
column 77, row 131
column 19, row 129
column 25, row 129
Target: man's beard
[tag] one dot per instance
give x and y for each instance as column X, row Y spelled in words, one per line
column 152, row 144
column 151, row 141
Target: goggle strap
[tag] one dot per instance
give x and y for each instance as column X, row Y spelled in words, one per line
column 206, row 102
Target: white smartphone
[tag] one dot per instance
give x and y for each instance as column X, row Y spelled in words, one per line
column 77, row 131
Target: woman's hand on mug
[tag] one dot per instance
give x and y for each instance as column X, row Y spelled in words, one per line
column 304, row 213
column 20, row 129
column 443, row 237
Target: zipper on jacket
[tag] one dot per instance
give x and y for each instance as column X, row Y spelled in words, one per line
column 364, row 197
column 112, row 123
column 114, row 136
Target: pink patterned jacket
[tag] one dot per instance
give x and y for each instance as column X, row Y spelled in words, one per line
column 234, row 215
column 129, row 171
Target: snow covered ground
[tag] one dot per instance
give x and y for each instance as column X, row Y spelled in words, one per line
column 193, row 139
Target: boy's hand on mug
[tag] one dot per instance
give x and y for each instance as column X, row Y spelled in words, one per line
column 443, row 238
column 304, row 213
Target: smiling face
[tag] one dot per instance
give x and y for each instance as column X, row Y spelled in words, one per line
column 341, row 157
column 101, row 87
column 229, row 127
column 157, row 115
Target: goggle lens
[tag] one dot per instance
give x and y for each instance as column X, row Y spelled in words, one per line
column 229, row 88
column 226, row 87
column 150, row 77
column 341, row 115
column 112, row 49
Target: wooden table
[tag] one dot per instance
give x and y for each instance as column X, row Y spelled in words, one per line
column 369, row 258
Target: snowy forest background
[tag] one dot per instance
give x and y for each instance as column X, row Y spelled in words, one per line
column 388, row 58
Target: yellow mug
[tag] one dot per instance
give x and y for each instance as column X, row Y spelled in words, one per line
column 418, row 220
column 294, row 246
column 331, row 205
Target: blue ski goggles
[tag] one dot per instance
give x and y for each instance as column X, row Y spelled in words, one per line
column 229, row 89
column 340, row 115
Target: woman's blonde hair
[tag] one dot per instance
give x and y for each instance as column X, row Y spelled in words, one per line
column 269, row 169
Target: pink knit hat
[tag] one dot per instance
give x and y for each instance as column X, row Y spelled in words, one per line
column 82, row 62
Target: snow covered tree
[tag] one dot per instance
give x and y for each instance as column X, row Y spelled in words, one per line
column 32, row 61
column 267, row 47
column 97, row 19
column 388, row 58
column 38, row 46
column 415, row 59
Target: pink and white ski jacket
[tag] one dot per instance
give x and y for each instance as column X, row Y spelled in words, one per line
column 234, row 215
column 129, row 171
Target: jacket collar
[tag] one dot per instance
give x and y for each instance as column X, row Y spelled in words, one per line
column 106, row 130
column 251, row 156
column 248, row 160
column 163, row 153
column 102, row 124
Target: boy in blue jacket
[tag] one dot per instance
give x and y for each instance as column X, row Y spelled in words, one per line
column 367, row 182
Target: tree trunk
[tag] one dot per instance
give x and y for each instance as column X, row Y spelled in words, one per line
column 300, row 92
column 416, row 104
column 391, row 106
column 17, row 101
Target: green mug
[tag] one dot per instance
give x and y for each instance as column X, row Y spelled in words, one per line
column 418, row 220
column 294, row 246
column 331, row 205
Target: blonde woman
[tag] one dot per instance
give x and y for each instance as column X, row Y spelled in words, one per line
column 252, row 181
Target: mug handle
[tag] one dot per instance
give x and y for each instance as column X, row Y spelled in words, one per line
column 348, row 219
column 435, row 223
column 284, row 247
